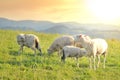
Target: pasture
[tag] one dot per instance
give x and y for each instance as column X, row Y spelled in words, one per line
column 26, row 66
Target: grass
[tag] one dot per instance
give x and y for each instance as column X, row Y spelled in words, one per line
column 28, row 67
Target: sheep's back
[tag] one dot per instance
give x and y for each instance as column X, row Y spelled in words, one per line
column 60, row 42
column 30, row 40
column 100, row 44
column 65, row 40
column 72, row 51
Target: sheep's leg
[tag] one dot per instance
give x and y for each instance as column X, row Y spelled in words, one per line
column 59, row 52
column 21, row 49
column 94, row 58
column 98, row 61
column 104, row 60
column 77, row 61
column 34, row 50
column 63, row 59
column 63, row 56
column 90, row 62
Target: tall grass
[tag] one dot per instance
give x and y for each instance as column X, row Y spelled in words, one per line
column 28, row 67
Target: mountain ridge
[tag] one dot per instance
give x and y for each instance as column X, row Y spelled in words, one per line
column 95, row 30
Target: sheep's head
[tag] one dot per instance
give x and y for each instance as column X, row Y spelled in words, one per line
column 20, row 38
column 50, row 51
column 83, row 39
column 79, row 37
column 84, row 52
column 76, row 37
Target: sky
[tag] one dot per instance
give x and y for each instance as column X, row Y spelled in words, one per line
column 82, row 11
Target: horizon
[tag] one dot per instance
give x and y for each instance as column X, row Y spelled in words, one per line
column 59, row 22
column 81, row 11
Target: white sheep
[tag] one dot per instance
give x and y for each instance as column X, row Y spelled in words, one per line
column 72, row 51
column 28, row 40
column 60, row 42
column 94, row 47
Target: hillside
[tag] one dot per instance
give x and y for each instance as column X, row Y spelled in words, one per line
column 21, row 25
column 95, row 30
column 49, row 67
column 59, row 28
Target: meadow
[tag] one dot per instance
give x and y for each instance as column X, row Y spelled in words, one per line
column 26, row 66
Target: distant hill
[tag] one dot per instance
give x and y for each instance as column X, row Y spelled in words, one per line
column 58, row 28
column 25, row 24
column 94, row 30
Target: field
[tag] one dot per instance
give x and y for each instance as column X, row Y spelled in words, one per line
column 26, row 66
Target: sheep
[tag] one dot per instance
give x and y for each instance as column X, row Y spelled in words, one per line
column 95, row 47
column 77, row 43
column 72, row 51
column 30, row 41
column 60, row 42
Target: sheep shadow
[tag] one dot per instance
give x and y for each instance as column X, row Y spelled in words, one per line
column 83, row 65
column 14, row 53
column 14, row 62
column 33, row 55
column 112, row 65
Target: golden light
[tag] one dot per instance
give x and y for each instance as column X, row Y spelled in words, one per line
column 104, row 10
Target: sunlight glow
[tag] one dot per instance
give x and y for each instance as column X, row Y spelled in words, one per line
column 104, row 10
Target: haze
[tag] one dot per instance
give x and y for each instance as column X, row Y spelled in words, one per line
column 82, row 11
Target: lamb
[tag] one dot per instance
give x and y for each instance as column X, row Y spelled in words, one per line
column 60, row 42
column 28, row 40
column 72, row 51
column 94, row 47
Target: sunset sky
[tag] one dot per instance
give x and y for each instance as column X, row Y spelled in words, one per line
column 82, row 11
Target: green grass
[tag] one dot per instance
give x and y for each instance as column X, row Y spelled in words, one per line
column 28, row 67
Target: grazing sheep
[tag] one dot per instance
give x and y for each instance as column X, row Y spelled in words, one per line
column 94, row 47
column 28, row 40
column 60, row 42
column 72, row 51
column 77, row 43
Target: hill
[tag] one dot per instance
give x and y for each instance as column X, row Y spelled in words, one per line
column 49, row 67
column 94, row 30
column 24, row 24
column 58, row 28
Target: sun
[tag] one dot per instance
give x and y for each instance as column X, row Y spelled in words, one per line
column 104, row 10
